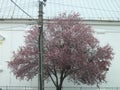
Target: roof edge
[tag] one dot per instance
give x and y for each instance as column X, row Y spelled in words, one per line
column 34, row 21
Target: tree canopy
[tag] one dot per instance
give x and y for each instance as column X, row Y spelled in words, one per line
column 70, row 51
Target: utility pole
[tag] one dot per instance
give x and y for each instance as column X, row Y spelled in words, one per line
column 40, row 46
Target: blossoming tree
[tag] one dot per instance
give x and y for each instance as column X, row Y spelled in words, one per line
column 70, row 52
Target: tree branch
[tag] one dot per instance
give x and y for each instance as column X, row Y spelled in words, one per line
column 55, row 74
column 52, row 79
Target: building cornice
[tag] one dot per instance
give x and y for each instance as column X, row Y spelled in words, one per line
column 34, row 21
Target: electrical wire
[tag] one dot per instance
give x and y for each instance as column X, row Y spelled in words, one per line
column 21, row 9
column 5, row 7
column 101, row 11
column 83, row 7
column 62, row 5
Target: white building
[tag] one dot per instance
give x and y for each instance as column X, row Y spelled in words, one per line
column 102, row 15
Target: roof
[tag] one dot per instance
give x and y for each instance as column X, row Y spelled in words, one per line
column 88, row 9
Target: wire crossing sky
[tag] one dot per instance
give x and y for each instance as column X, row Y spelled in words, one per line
column 88, row 9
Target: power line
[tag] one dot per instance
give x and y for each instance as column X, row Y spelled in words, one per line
column 83, row 7
column 22, row 9
column 87, row 12
column 62, row 5
column 30, row 2
column 65, row 5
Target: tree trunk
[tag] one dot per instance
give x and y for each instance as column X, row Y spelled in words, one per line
column 59, row 88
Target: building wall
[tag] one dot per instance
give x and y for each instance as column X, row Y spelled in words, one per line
column 110, row 34
column 106, row 33
column 14, row 37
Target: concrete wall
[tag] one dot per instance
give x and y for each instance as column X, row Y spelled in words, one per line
column 110, row 34
column 13, row 34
